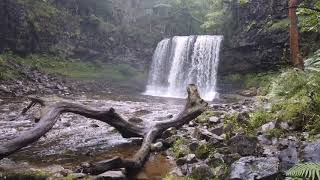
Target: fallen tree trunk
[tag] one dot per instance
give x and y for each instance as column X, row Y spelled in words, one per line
column 149, row 131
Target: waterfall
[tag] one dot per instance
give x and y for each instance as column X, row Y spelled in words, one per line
column 183, row 60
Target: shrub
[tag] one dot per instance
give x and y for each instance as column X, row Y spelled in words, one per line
column 179, row 148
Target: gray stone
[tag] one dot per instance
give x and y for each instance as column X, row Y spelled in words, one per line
column 243, row 145
column 188, row 159
column 112, row 175
column 214, row 120
column 78, row 175
column 202, row 172
column 217, row 130
column 193, row 146
column 288, row 157
column 169, row 132
column 157, row 146
column 204, row 134
column 268, row 127
column 252, row 168
column 311, row 152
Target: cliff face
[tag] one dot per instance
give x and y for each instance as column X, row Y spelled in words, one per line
column 259, row 38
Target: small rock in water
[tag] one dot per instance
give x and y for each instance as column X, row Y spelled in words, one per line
column 169, row 116
column 78, row 175
column 112, row 175
column 157, row 146
column 94, row 125
column 135, row 120
column 66, row 124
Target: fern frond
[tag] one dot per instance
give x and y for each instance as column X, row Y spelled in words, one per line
column 305, row 170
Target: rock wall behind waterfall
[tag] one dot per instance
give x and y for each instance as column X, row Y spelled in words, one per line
column 259, row 38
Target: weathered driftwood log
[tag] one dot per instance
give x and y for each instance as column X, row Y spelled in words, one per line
column 149, row 131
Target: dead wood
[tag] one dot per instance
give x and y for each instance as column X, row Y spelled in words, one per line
column 149, row 131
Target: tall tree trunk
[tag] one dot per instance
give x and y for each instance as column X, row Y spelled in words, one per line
column 295, row 56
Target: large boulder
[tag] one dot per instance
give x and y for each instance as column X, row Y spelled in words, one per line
column 243, row 145
column 252, row 168
column 311, row 152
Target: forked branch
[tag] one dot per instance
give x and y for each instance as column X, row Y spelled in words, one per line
column 51, row 111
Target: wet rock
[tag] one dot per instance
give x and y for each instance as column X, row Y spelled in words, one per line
column 112, row 175
column 217, row 130
column 249, row 93
column 288, row 157
column 264, row 140
column 268, row 127
column 214, row 120
column 202, row 171
column 186, row 169
column 169, row 132
column 215, row 160
column 252, row 168
column 243, row 145
column 168, row 142
column 66, row 124
column 157, row 146
column 188, row 159
column 4, row 89
column 142, row 112
column 204, row 134
column 135, row 120
column 285, row 125
column 170, row 116
column 243, row 117
column 94, row 125
column 230, row 158
column 192, row 124
column 78, row 175
column 311, row 152
column 193, row 146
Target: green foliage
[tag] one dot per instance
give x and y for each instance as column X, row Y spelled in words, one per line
column 247, row 81
column 309, row 20
column 313, row 62
column 219, row 20
column 306, row 171
column 34, row 175
column 294, row 97
column 276, row 132
column 204, row 117
column 280, row 25
column 202, row 151
column 244, row 2
column 72, row 68
column 180, row 148
column 259, row 118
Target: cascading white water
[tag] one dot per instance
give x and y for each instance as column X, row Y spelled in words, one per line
column 183, row 60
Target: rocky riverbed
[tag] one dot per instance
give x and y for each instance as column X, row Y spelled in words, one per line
column 212, row 146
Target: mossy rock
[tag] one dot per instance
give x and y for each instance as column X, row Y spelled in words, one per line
column 33, row 175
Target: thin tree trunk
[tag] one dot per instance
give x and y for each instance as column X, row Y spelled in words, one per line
column 295, row 56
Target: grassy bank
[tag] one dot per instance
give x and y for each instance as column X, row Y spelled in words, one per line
column 70, row 68
column 293, row 97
